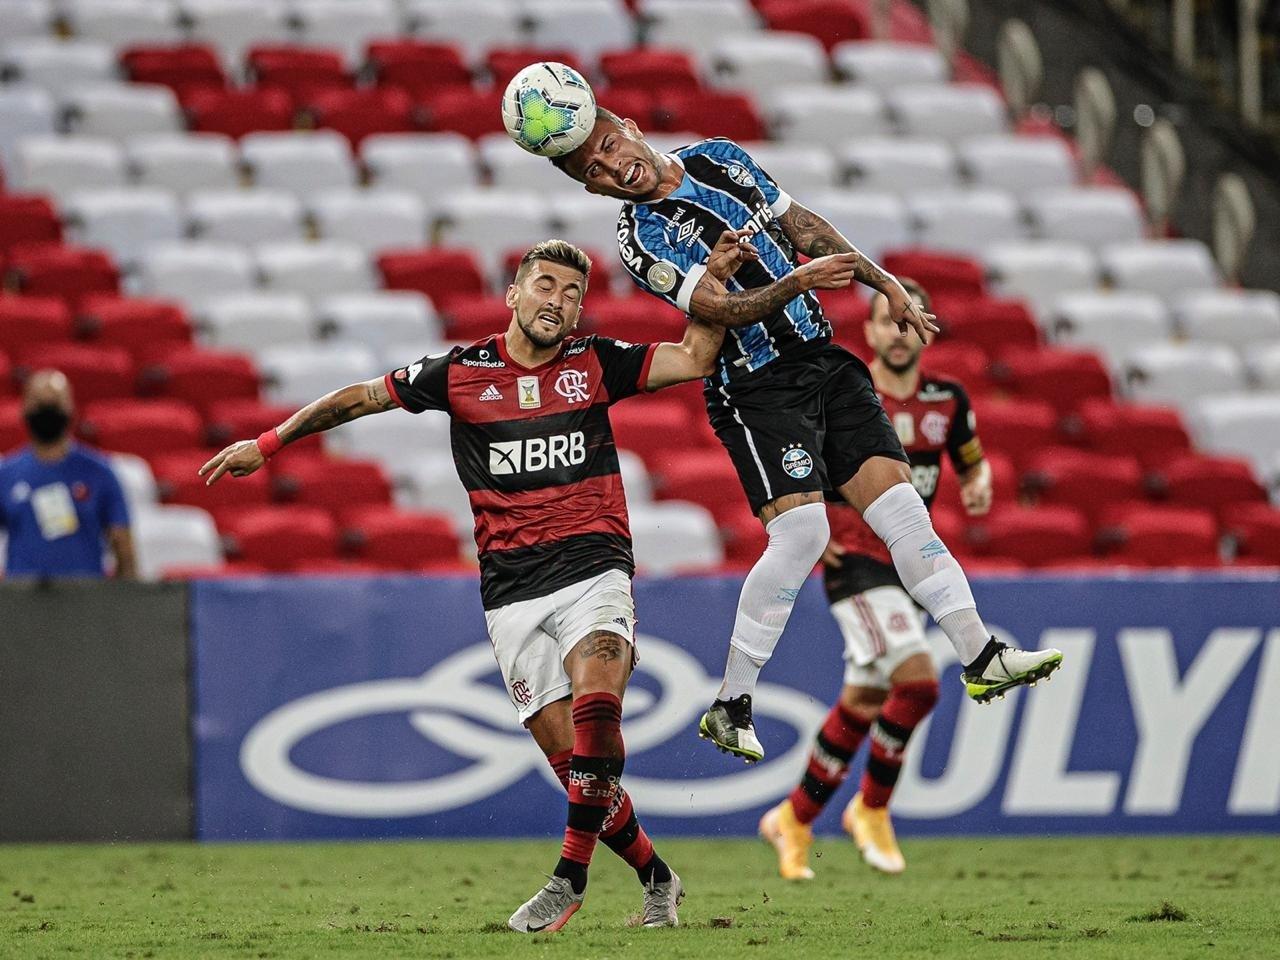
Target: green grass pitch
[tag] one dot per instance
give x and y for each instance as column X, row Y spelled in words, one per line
column 1163, row 898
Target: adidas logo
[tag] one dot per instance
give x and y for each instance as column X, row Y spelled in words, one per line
column 491, row 392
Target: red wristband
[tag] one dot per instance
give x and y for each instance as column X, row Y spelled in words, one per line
column 269, row 444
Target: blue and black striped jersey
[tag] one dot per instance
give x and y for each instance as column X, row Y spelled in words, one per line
column 664, row 245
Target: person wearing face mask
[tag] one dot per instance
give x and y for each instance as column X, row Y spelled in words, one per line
column 60, row 502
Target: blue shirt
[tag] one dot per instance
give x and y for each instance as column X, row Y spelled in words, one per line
column 57, row 513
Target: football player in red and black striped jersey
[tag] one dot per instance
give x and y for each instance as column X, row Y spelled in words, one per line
column 532, row 444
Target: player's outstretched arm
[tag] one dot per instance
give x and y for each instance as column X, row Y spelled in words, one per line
column 713, row 303
column 691, row 359
column 341, row 406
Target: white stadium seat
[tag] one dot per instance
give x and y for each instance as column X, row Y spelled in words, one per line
column 298, row 373
column 1115, row 322
column 1020, row 164
column 25, row 18
column 826, row 114
column 1241, row 318
column 426, row 473
column 520, row 170
column 1245, row 425
column 1177, row 374
column 587, row 27
column 63, row 165
column 301, row 163
column 136, row 479
column 193, row 272
column 125, row 222
column 672, row 537
column 1090, row 215
column 58, row 65
column 245, row 216
column 232, row 26
column 428, row 164
column 345, row 26
column 25, row 111
column 389, row 437
column 965, row 221
column 635, row 477
column 371, row 219
column 951, row 111
column 1040, row 272
column 899, row 164
column 393, row 355
column 882, row 63
column 1166, row 268
column 122, row 110
column 184, row 162
column 1264, row 364
column 379, row 318
column 475, row 26
column 491, row 222
column 796, row 166
column 696, row 25
column 872, row 222
column 124, row 23
column 169, row 537
column 256, row 320
column 761, row 62
column 314, row 269
column 588, row 221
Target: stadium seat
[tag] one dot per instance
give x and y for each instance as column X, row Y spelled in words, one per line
column 743, row 539
column 357, row 114
column 899, row 164
column 232, row 26
column 299, row 374
column 1240, row 318
column 118, row 111
column 990, row 324
column 430, row 482
column 1167, row 268
column 965, row 222
column 672, row 538
column 347, row 27
column 832, row 22
column 826, row 115
column 796, row 167
column 888, row 64
column 874, row 222
column 62, row 165
column 1177, row 374
column 589, row 221
column 943, row 275
column 1017, row 429
column 1033, row 536
column 27, row 219
column 1254, row 529
column 398, row 540
column 136, row 480
column 1152, row 434
column 1113, row 322
column 146, row 328
column 472, row 113
column 13, row 428
column 1241, row 424
column 417, row 66
column 635, row 477
column 238, row 113
column 278, row 537
column 373, row 220
column 253, row 320
column 469, row 318
column 230, row 420
column 1264, row 363
column 122, row 23
column 1004, row 486
column 503, row 63
column 760, row 62
column 28, row 321
column 702, row 477
column 1022, row 165
column 587, row 27
column 951, row 111
column 174, row 537
column 648, row 69
column 141, row 427
column 957, row 360
column 180, row 68
column 635, row 319
column 1040, row 271
column 1084, row 480
column 192, row 272
column 332, row 484
column 25, row 111
column 1063, row 378
column 473, row 27
column 660, row 431
column 1211, row 483
column 178, row 481
column 301, row 163
column 379, row 318
column 518, row 170
column 385, row 437
column 126, row 223
column 1093, row 216
column 26, row 18
column 443, row 275
column 1161, row 536
column 184, row 162
column 300, row 72
column 57, row 65
column 490, row 222
column 314, row 269
column 696, row 25
column 245, row 216
column 430, row 165
column 710, row 113
column 201, row 377
column 42, row 269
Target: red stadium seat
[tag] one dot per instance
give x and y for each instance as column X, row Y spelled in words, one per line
column 992, row 325
column 1089, row 482
column 1034, row 536
column 332, row 484
column 630, row 103
column 473, row 318
column 1016, row 429
column 143, row 427
column 704, row 477
column 50, row 270
column 1161, row 536
column 955, row 360
column 301, row 71
column 417, row 66
column 633, row 319
column 237, row 112
column 711, row 113
column 831, row 21
column 7, row 386
column 442, row 274
column 182, row 68
column 394, row 539
column 743, row 537
column 280, row 537
column 1004, row 484
column 96, row 373
column 146, row 328
column 649, row 69
column 1152, row 434
column 202, row 377
column 660, row 431
column 472, row 113
column 29, row 321
column 944, row 275
column 690, row 394
column 505, row 62
column 847, row 309
column 28, row 219
column 1213, row 483
column 1255, row 529
column 358, row 113
column 13, row 428
column 229, row 420
column 1063, row 378
column 179, row 482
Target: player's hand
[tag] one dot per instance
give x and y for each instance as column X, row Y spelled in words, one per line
column 732, row 250
column 833, row 556
column 240, row 459
column 830, row 273
column 975, row 496
column 908, row 314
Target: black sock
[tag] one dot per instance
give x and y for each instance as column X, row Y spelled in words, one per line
column 574, row 872
column 655, row 871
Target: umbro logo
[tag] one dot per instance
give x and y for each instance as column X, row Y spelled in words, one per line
column 491, row 392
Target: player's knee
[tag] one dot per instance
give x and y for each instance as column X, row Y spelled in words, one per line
column 862, row 702
column 896, row 513
column 801, row 532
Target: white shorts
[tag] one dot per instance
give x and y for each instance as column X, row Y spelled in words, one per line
column 882, row 627
column 531, row 638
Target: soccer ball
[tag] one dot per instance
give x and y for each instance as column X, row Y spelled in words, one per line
column 549, row 109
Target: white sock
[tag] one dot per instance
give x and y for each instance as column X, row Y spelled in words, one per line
column 796, row 541
column 926, row 567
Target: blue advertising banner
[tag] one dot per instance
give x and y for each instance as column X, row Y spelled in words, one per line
column 355, row 707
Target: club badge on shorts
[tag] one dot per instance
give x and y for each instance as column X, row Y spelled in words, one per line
column 797, row 462
column 530, row 396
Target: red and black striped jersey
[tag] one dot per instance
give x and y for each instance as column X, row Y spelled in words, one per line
column 535, row 451
column 935, row 419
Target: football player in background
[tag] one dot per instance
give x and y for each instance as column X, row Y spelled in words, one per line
column 890, row 683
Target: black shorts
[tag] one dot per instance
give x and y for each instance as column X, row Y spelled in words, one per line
column 802, row 425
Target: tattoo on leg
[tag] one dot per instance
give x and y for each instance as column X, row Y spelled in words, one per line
column 603, row 646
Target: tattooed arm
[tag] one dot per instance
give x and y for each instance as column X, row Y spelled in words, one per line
column 713, row 303
column 341, row 406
